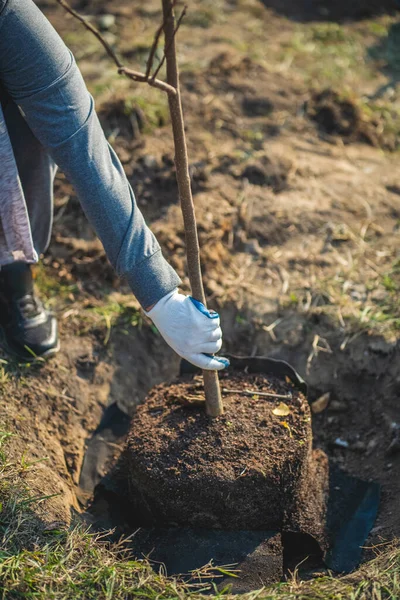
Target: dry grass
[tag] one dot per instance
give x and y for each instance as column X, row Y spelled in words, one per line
column 75, row 564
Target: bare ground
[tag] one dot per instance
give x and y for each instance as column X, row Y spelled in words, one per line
column 299, row 229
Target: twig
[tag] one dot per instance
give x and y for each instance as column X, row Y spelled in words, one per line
column 316, row 349
column 168, row 46
column 255, row 393
column 93, row 29
column 154, row 46
column 134, row 75
column 270, row 328
column 157, row 83
column 153, row 50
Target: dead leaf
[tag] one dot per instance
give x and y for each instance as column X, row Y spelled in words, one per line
column 321, row 403
column 282, row 410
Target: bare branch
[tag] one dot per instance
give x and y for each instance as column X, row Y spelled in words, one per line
column 153, row 48
column 256, row 393
column 93, row 29
column 141, row 77
column 178, row 24
column 132, row 74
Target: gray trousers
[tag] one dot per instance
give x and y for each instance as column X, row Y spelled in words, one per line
column 36, row 170
column 40, row 75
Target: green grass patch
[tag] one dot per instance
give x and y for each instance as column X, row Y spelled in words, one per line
column 342, row 55
column 385, row 115
column 53, row 288
column 116, row 315
column 155, row 109
column 110, row 315
column 325, row 53
column 328, row 33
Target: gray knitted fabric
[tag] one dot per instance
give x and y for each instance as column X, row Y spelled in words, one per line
column 41, row 77
column 15, row 232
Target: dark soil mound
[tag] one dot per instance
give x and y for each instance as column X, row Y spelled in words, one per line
column 270, row 172
column 252, row 468
column 338, row 116
column 257, row 106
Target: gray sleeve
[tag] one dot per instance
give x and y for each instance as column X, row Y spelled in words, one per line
column 109, row 203
column 42, row 77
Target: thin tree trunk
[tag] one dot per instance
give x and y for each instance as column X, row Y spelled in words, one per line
column 211, row 383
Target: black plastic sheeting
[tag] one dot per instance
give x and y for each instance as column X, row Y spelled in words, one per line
column 352, row 510
column 183, row 550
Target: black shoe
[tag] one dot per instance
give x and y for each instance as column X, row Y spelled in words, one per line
column 29, row 330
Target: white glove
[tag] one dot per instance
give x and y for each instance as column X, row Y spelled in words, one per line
column 190, row 329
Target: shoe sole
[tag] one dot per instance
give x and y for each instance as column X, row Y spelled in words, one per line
column 23, row 358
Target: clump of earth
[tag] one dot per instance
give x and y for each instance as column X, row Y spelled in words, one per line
column 251, row 468
column 344, row 117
